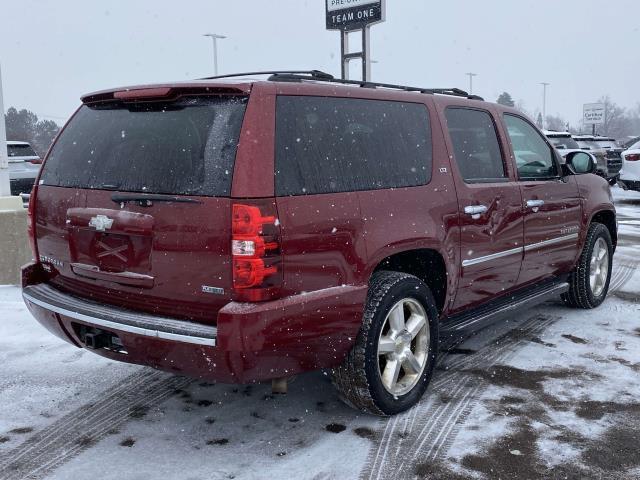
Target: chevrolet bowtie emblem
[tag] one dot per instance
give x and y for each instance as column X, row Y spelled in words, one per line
column 101, row 223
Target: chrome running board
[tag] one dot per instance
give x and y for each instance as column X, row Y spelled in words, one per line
column 500, row 308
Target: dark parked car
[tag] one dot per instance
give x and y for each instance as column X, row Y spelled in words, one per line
column 607, row 153
column 614, row 154
column 249, row 230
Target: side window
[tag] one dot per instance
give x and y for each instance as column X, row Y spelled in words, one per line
column 534, row 157
column 330, row 145
column 475, row 144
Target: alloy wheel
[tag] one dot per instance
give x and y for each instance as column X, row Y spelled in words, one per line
column 403, row 346
column 599, row 267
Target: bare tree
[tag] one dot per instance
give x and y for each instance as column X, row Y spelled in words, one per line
column 522, row 107
column 558, row 124
column 616, row 123
column 634, row 121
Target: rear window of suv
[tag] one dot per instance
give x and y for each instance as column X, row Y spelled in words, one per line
column 186, row 147
column 21, row 151
column 331, row 145
column 564, row 142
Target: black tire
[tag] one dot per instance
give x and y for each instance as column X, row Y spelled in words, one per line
column 580, row 294
column 358, row 379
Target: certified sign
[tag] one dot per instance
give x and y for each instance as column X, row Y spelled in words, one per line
column 350, row 15
column 594, row 113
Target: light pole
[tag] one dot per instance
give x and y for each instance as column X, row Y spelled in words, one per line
column 471, row 75
column 544, row 103
column 215, row 37
column 371, row 64
column 5, row 189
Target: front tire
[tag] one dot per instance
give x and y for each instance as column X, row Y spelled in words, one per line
column 392, row 361
column 589, row 282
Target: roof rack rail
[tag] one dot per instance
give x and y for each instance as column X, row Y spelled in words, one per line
column 301, row 76
column 314, row 74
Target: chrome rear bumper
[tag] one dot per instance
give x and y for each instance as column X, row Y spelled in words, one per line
column 117, row 319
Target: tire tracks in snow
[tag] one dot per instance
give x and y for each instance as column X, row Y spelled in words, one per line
column 73, row 433
column 426, row 432
column 622, row 273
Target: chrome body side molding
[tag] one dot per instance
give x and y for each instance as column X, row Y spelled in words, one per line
column 514, row 251
column 553, row 241
column 494, row 256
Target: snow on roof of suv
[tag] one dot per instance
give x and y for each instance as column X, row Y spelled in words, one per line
column 553, row 133
column 563, row 141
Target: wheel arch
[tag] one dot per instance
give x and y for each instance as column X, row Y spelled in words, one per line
column 425, row 263
column 608, row 219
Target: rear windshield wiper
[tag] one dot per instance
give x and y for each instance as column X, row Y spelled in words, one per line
column 146, row 200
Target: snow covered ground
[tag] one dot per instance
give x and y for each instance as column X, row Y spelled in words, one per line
column 552, row 393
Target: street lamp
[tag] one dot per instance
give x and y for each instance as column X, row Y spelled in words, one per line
column 471, row 75
column 544, row 103
column 215, row 37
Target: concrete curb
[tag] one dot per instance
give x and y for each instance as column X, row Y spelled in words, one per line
column 14, row 241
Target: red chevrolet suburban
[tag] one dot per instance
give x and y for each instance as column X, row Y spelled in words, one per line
column 244, row 230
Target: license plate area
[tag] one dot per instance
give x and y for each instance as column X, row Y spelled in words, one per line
column 111, row 252
column 96, row 339
column 112, row 240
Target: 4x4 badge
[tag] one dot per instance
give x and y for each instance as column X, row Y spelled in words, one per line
column 101, row 223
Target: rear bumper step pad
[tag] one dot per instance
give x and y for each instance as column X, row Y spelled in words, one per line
column 114, row 318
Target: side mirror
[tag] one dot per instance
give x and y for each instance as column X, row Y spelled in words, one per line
column 580, row 163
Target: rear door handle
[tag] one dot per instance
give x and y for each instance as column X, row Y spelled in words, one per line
column 535, row 203
column 475, row 210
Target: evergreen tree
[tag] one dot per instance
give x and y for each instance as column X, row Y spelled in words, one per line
column 24, row 126
column 506, row 100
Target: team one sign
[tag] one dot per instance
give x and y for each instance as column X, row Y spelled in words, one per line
column 353, row 14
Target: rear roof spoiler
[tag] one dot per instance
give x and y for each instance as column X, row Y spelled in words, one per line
column 151, row 93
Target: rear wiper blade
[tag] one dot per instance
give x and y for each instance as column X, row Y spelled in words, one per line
column 146, row 200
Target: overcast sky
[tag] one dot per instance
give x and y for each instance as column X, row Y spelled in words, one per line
column 51, row 52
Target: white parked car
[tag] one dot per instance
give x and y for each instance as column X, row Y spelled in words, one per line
column 24, row 165
column 630, row 173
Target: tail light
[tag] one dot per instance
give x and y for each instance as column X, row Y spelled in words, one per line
column 632, row 157
column 31, row 222
column 36, row 161
column 255, row 247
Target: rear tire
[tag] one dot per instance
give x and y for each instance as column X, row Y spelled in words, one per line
column 392, row 361
column 589, row 282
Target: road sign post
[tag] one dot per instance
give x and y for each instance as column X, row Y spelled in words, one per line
column 594, row 114
column 5, row 189
column 350, row 16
